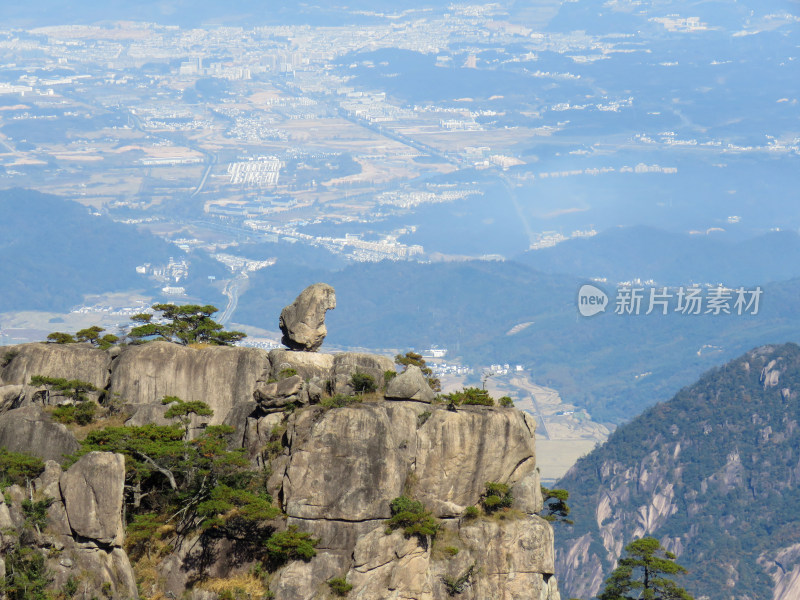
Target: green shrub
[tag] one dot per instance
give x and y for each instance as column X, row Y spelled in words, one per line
column 286, row 373
column 469, row 396
column 496, row 496
column 70, row 587
column 339, row 401
column 506, row 402
column 388, row 376
column 35, row 513
column 412, row 517
column 57, row 337
column 291, row 544
column 339, row 586
column 363, row 383
column 72, row 388
column 472, row 512
column 423, row 417
column 18, row 468
column 27, row 575
column 82, row 413
column 451, row 551
column 142, row 532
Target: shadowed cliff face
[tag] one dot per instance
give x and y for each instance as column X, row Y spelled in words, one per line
column 334, row 473
column 714, row 474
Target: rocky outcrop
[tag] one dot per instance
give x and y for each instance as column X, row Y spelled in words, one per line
column 346, row 364
column 30, row 430
column 82, row 541
column 221, row 376
column 68, row 361
column 92, row 492
column 278, row 394
column 12, row 396
column 333, row 471
column 303, row 321
column 410, row 385
column 344, row 466
column 309, row 365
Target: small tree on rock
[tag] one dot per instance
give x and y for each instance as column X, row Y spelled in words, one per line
column 412, row 358
column 183, row 411
column 645, row 572
column 59, row 337
column 186, row 324
column 555, row 507
column 93, row 337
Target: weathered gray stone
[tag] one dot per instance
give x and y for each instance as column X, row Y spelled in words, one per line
column 303, row 321
column 346, row 364
column 390, row 566
column 92, row 489
column 29, row 429
column 221, row 376
column 280, row 393
column 69, row 361
column 103, row 572
column 237, row 418
column 307, row 364
column 344, row 465
column 46, row 484
column 410, row 385
column 11, row 396
column 349, row 463
column 144, row 414
column 527, row 493
column 301, row 580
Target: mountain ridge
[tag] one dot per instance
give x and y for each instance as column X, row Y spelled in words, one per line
column 713, row 473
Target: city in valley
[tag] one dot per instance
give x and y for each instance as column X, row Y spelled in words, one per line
column 468, row 134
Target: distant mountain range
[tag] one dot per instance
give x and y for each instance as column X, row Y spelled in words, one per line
column 613, row 365
column 55, row 252
column 629, row 253
column 713, row 474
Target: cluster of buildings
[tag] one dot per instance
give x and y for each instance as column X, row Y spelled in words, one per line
column 262, row 171
column 174, row 271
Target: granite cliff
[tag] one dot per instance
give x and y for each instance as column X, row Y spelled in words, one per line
column 332, row 470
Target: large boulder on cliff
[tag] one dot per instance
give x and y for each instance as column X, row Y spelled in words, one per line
column 221, row 376
column 30, row 430
column 410, row 385
column 347, row 364
column 303, row 321
column 92, row 490
column 68, row 361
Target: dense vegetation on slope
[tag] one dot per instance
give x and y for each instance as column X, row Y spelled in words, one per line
column 723, row 456
column 55, row 252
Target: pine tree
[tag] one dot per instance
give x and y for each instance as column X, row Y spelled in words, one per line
column 186, row 324
column 645, row 573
